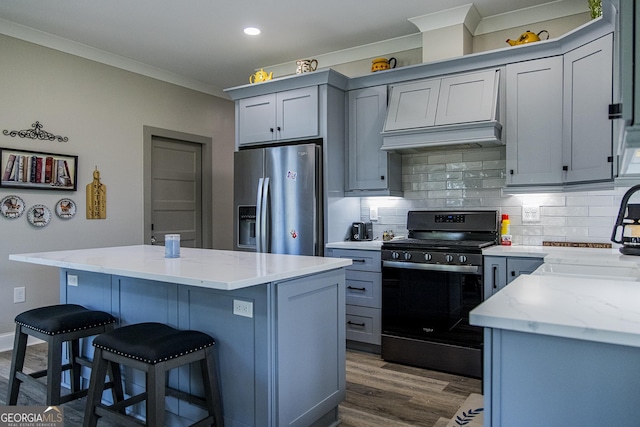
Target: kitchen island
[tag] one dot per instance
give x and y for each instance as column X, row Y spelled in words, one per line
column 563, row 350
column 278, row 321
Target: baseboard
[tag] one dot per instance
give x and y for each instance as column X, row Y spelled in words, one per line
column 6, row 341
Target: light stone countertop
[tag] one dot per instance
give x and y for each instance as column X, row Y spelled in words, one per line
column 207, row 268
column 583, row 300
column 369, row 245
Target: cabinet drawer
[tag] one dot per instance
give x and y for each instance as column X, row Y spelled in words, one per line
column 362, row 260
column 364, row 288
column 363, row 324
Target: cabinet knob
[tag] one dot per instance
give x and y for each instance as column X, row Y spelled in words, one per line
column 278, row 128
column 382, row 177
column 271, row 130
column 565, row 168
column 511, row 171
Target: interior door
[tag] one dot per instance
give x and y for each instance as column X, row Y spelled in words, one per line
column 176, row 191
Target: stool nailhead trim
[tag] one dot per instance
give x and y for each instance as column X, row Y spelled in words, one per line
column 152, row 362
column 65, row 331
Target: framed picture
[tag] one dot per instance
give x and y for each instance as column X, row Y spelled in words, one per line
column 38, row 170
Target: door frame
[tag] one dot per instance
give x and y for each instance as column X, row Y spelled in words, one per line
column 149, row 132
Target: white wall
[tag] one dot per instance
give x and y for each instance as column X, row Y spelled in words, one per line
column 102, row 110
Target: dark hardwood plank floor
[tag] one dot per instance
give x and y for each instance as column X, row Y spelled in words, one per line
column 378, row 393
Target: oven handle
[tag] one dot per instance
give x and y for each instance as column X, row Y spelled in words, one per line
column 432, row 267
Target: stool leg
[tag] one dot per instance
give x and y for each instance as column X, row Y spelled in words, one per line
column 117, row 392
column 54, row 371
column 156, row 383
column 74, row 375
column 211, row 388
column 96, row 387
column 17, row 364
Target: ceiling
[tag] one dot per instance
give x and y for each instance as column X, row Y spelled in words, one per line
column 201, row 43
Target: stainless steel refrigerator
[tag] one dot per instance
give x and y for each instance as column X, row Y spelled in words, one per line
column 278, row 200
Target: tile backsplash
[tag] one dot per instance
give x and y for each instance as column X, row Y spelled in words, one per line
column 473, row 178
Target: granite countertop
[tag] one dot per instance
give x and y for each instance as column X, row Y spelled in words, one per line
column 208, row 268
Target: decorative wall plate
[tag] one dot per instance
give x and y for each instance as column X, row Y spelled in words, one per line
column 66, row 208
column 12, row 206
column 39, row 215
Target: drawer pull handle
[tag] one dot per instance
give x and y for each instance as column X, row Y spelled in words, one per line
column 362, row 261
column 356, row 289
column 355, row 324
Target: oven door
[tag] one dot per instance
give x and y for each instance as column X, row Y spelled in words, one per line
column 425, row 316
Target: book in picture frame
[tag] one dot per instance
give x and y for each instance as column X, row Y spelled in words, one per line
column 38, row 170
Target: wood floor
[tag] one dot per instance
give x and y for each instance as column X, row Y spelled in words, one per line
column 378, row 393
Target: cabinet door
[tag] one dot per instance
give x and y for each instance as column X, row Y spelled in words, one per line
column 257, row 119
column 468, row 98
column 367, row 163
column 588, row 77
column 362, row 260
column 495, row 274
column 518, row 266
column 297, row 113
column 413, row 105
column 534, row 122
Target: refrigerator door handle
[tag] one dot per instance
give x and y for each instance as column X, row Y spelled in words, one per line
column 259, row 216
column 264, row 217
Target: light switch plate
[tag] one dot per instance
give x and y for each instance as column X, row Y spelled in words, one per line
column 530, row 213
column 373, row 213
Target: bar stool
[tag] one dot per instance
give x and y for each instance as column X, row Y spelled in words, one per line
column 55, row 325
column 155, row 349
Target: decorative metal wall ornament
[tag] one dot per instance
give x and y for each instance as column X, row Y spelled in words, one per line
column 35, row 133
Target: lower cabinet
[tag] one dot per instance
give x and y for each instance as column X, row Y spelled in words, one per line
column 499, row 271
column 363, row 284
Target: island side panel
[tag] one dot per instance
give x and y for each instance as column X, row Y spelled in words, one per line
column 311, row 348
column 540, row 380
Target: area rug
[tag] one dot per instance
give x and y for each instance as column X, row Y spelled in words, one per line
column 470, row 414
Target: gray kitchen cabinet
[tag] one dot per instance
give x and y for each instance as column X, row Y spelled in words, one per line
column 363, row 284
column 499, row 271
column 557, row 126
column 460, row 98
column 588, row 81
column 286, row 115
column 533, row 128
column 370, row 171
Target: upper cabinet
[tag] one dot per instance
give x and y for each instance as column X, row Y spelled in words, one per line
column 557, row 126
column 286, row 115
column 370, row 171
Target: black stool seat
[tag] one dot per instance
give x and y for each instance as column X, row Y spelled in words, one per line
column 155, row 349
column 55, row 324
column 63, row 318
column 152, row 342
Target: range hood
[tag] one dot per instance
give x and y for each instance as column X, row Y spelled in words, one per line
column 460, row 109
column 629, row 151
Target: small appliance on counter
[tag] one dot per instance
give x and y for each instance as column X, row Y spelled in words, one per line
column 361, row 231
column 629, row 220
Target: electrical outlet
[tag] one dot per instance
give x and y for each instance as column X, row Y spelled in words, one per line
column 530, row 213
column 243, row 308
column 72, row 280
column 19, row 294
column 373, row 213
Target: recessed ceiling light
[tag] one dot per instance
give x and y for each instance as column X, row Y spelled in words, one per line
column 252, row 31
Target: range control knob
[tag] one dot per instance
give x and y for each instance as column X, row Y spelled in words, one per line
column 462, row 258
column 407, row 256
column 395, row 255
column 427, row 257
column 448, row 258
